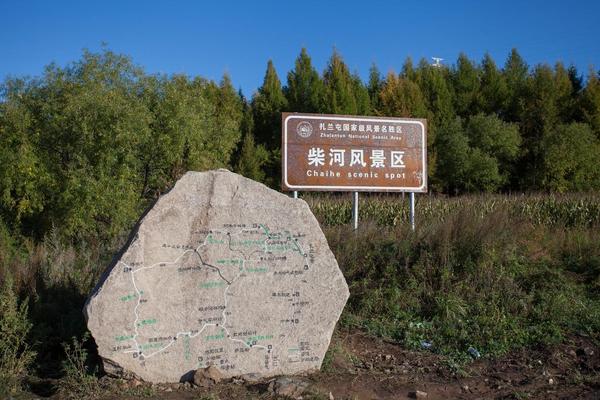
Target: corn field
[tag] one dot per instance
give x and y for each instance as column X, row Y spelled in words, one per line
column 569, row 210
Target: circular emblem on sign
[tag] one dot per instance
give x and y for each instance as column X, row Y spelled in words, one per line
column 304, row 129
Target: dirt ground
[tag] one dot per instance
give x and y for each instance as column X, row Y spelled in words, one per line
column 364, row 367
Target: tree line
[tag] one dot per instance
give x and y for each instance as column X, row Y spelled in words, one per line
column 85, row 147
column 490, row 129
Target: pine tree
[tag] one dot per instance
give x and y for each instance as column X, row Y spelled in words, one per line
column 543, row 110
column 361, row 95
column 408, row 70
column 434, row 84
column 374, row 87
column 226, row 131
column 591, row 102
column 494, row 91
column 304, row 90
column 267, row 105
column 401, row 97
column 567, row 98
column 576, row 79
column 251, row 158
column 515, row 73
column 466, row 85
column 576, row 113
column 339, row 87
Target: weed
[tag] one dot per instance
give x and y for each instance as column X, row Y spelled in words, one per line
column 314, row 395
column 335, row 349
column 79, row 381
column 142, row 391
column 208, row 397
column 15, row 353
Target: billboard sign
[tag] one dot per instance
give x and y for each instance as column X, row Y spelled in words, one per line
column 323, row 152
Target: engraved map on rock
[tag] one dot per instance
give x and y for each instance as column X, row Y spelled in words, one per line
column 221, row 271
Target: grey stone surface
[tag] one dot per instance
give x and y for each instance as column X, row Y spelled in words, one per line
column 220, row 271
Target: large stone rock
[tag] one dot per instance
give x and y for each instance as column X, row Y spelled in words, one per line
column 221, row 271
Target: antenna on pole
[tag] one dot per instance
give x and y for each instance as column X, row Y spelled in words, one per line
column 437, row 62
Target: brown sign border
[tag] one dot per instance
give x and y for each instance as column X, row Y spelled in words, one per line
column 287, row 187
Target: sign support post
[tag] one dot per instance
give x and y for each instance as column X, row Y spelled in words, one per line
column 349, row 153
column 412, row 210
column 355, row 210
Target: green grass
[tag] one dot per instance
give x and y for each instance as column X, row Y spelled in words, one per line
column 494, row 273
column 490, row 272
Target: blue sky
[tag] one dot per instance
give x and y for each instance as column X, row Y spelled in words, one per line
column 210, row 38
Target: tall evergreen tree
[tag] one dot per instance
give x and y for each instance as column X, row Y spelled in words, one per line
column 225, row 131
column 361, row 95
column 434, row 84
column 339, row 87
column 576, row 113
column 251, row 157
column 267, row 105
column 374, row 87
column 408, row 69
column 466, row 85
column 567, row 97
column 401, row 97
column 576, row 79
column 304, row 90
column 494, row 91
column 591, row 102
column 543, row 109
column 515, row 73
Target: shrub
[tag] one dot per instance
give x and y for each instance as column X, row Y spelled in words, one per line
column 79, row 380
column 16, row 354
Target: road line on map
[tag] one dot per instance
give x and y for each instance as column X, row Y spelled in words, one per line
column 268, row 235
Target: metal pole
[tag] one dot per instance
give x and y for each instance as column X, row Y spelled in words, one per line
column 295, row 194
column 355, row 210
column 412, row 210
